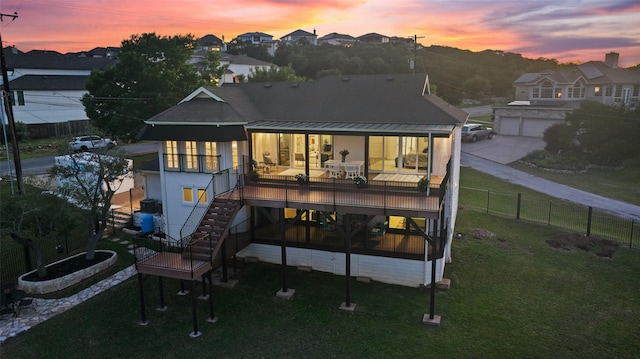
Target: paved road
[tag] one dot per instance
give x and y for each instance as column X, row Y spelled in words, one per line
column 41, row 165
column 491, row 156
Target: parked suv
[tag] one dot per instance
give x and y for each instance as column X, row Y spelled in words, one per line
column 474, row 131
column 86, row 143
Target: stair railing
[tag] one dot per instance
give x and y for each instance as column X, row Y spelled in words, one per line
column 221, row 182
column 198, row 212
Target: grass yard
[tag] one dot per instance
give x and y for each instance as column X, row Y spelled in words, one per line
column 512, row 296
column 621, row 185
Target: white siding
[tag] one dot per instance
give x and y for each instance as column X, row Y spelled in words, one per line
column 412, row 273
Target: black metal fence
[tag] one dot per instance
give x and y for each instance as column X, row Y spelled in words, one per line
column 562, row 214
column 16, row 260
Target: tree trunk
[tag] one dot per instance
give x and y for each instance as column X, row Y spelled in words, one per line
column 96, row 230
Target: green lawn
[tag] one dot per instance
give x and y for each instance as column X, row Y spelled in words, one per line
column 617, row 184
column 512, row 296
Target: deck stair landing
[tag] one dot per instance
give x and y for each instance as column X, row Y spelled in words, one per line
column 198, row 256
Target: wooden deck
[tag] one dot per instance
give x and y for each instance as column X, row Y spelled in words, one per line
column 173, row 265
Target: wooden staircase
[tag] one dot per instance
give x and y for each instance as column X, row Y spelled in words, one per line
column 207, row 239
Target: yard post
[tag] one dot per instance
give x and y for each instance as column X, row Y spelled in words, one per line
column 590, row 213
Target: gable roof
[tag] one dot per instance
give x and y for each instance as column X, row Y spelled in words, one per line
column 298, row 33
column 594, row 72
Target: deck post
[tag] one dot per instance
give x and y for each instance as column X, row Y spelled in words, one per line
column 283, row 245
column 347, row 270
column 194, row 310
column 212, row 316
column 161, row 294
column 143, row 317
column 223, row 256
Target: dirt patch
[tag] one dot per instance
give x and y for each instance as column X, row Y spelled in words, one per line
column 598, row 246
column 481, row 233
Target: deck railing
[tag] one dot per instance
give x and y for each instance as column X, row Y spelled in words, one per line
column 343, row 192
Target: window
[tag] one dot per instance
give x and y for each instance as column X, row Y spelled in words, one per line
column 608, row 91
column 202, row 195
column 577, row 91
column 536, row 92
column 187, row 194
column 171, row 154
column 234, row 153
column 19, row 94
column 597, row 91
column 191, row 155
column 210, row 153
column 546, row 91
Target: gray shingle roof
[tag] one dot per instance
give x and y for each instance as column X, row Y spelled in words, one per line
column 38, row 59
column 49, row 82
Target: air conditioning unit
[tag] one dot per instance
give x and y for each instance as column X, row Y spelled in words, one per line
column 148, row 206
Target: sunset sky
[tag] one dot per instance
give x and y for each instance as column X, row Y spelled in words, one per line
column 567, row 30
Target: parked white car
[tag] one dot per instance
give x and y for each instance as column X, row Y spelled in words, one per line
column 86, row 143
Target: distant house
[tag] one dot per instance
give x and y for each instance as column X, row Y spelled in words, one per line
column 258, row 38
column 212, row 43
column 240, row 66
column 337, row 39
column 46, row 89
column 299, row 35
column 544, row 98
column 373, row 37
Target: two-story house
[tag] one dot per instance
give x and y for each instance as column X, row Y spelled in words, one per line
column 544, row 98
column 46, row 89
column 300, row 35
column 285, row 163
column 258, row 38
column 338, row 39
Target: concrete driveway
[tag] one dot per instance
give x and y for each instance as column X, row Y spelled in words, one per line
column 503, row 149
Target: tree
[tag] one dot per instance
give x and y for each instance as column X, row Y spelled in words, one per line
column 33, row 219
column 90, row 180
column 598, row 133
column 274, row 74
column 559, row 138
column 153, row 73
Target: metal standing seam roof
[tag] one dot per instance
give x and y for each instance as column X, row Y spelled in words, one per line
column 396, row 128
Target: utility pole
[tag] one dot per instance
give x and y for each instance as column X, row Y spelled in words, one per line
column 9, row 110
column 415, row 51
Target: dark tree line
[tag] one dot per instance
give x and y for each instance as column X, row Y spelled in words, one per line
column 456, row 73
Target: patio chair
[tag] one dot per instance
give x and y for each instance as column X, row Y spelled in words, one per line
column 299, row 157
column 350, row 170
column 334, row 170
column 379, row 229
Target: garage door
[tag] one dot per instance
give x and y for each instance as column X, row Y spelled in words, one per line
column 535, row 127
column 509, row 126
